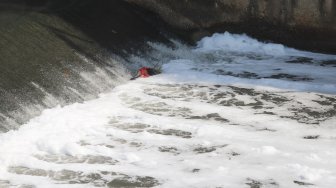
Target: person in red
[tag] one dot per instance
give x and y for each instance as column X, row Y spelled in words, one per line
column 145, row 72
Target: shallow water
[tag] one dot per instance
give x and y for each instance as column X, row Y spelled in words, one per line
column 219, row 115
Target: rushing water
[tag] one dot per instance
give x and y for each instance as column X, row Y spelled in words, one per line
column 231, row 112
column 45, row 62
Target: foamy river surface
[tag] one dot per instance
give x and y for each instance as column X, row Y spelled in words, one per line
column 232, row 112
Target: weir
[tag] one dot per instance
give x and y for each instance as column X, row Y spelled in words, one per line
column 229, row 110
column 221, row 113
column 61, row 52
column 70, row 51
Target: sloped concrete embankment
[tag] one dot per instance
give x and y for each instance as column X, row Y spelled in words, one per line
column 60, row 52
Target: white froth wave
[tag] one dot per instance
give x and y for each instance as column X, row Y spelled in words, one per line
column 239, row 43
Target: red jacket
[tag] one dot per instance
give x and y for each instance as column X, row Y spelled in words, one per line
column 143, row 72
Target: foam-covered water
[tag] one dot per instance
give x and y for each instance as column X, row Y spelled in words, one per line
column 232, row 112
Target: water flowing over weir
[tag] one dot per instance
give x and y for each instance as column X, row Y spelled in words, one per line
column 60, row 52
column 56, row 53
column 230, row 112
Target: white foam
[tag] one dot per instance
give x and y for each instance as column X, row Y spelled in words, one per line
column 239, row 43
column 242, row 43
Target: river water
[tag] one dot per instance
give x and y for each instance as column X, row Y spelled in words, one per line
column 229, row 112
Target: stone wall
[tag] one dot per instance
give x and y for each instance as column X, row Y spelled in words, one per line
column 187, row 14
column 306, row 24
